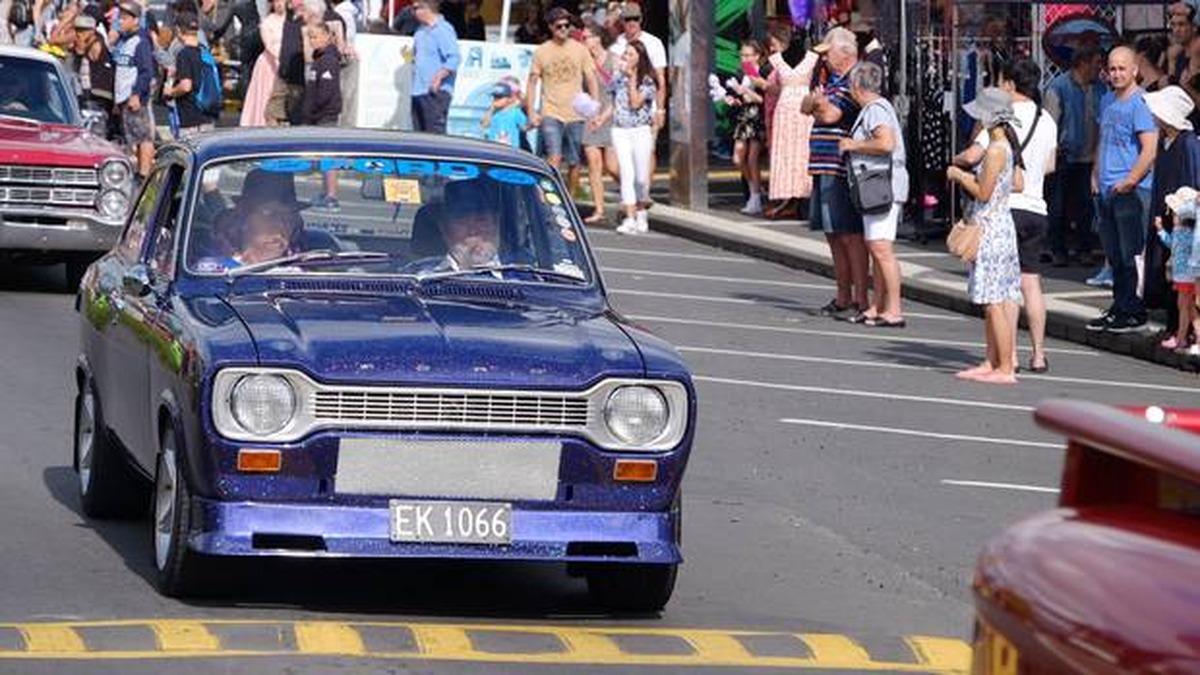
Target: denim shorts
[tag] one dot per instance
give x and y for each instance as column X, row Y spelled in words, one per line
column 562, row 139
column 830, row 208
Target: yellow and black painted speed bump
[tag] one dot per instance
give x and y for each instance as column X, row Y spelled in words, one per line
column 494, row 643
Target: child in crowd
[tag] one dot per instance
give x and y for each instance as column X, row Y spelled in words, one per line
column 750, row 132
column 322, row 102
column 1181, row 240
column 505, row 121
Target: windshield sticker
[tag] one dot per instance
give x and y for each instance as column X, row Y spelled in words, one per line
column 569, row 268
column 511, row 176
column 553, row 199
column 371, row 165
column 568, row 234
column 562, row 221
column 401, row 191
column 547, row 185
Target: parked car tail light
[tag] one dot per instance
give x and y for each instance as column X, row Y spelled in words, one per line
column 115, row 174
column 636, row 414
column 112, row 204
column 263, row 404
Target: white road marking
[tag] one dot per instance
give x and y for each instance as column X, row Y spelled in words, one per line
column 767, row 303
column 705, row 277
column 922, row 434
column 921, row 254
column 856, row 393
column 932, row 369
column 804, row 359
column 670, row 254
column 887, row 336
column 999, row 486
column 601, row 230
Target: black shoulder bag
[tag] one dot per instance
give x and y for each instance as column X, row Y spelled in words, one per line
column 870, row 188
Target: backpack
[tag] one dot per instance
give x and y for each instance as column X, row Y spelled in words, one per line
column 207, row 93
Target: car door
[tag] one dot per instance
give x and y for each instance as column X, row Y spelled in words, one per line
column 127, row 380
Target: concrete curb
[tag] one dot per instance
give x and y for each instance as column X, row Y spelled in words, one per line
column 1064, row 320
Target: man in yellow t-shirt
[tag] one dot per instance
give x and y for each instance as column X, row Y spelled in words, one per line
column 564, row 68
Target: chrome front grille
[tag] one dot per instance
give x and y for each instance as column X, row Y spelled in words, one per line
column 48, row 186
column 457, row 409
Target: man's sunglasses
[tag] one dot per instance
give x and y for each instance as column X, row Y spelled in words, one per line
column 632, row 19
column 562, row 24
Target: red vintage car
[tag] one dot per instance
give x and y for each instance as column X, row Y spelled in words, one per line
column 64, row 191
column 1109, row 582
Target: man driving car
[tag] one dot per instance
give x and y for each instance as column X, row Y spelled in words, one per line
column 471, row 225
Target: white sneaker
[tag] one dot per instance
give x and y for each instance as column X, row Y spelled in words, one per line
column 753, row 205
column 627, row 226
column 642, row 221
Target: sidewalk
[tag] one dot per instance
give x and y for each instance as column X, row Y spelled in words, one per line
column 930, row 274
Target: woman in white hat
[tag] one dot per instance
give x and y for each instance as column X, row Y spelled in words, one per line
column 995, row 279
column 1177, row 165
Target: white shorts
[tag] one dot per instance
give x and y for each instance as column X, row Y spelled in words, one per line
column 882, row 226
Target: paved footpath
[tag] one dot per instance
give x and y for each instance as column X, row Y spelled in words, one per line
column 930, row 274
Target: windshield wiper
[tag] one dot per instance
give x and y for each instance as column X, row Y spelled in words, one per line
column 542, row 274
column 17, row 118
column 323, row 255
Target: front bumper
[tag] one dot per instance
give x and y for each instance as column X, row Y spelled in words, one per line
column 229, row 529
column 57, row 229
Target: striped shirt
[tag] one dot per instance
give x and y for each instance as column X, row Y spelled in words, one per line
column 824, row 158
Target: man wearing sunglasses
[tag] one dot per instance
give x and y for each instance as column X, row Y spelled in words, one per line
column 564, row 67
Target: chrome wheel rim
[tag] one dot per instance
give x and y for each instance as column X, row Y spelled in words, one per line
column 85, row 439
column 166, row 483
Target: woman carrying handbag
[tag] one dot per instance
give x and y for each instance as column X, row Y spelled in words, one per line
column 995, row 280
column 876, row 148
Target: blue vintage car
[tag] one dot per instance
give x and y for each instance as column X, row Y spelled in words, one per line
column 350, row 343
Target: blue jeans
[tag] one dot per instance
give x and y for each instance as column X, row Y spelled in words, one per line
column 1123, row 221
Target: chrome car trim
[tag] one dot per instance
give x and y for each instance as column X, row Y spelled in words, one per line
column 343, row 407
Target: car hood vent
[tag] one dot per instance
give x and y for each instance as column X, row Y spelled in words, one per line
column 379, row 286
column 486, row 291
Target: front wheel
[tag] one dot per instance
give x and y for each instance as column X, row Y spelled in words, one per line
column 636, row 588
column 179, row 568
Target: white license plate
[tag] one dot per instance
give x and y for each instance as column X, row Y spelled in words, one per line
column 450, row 522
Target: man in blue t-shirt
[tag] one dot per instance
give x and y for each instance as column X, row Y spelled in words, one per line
column 436, row 59
column 1121, row 179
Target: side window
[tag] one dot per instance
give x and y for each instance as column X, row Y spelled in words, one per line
column 162, row 251
column 130, row 246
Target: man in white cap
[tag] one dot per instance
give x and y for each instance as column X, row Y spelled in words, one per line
column 1176, row 166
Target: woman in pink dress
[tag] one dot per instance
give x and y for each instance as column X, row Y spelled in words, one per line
column 266, row 69
column 790, row 129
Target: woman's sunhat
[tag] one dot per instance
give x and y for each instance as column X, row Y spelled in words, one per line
column 1171, row 106
column 992, row 107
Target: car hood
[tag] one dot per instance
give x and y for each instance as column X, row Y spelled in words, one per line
column 51, row 145
column 409, row 340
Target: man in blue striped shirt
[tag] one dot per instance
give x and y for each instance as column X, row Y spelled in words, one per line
column 830, row 207
column 436, row 54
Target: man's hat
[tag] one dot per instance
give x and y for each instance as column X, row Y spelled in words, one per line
column 187, row 23
column 470, row 196
column 502, row 90
column 131, row 8
column 631, row 10
column 262, row 187
column 85, row 22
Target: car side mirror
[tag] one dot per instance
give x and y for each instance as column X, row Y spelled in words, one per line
column 95, row 121
column 136, row 281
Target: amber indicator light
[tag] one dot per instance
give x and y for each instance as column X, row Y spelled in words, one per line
column 635, row 470
column 259, row 461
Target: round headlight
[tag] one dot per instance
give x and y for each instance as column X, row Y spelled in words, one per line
column 114, row 174
column 112, row 204
column 263, row 404
column 636, row 415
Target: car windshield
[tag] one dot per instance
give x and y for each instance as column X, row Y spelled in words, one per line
column 383, row 215
column 32, row 90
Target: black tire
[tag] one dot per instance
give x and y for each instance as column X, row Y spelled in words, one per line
column 180, row 571
column 635, row 588
column 108, row 487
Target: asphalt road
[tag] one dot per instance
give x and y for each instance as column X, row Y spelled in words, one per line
column 832, row 513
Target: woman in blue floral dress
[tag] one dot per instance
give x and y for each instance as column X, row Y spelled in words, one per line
column 996, row 275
